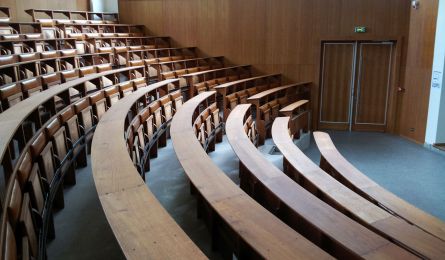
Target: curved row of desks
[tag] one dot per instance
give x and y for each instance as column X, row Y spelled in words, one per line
column 12, row 119
column 301, row 210
column 306, row 173
column 254, row 231
column 336, row 165
column 141, row 225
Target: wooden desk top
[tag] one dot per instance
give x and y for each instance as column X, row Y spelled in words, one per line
column 274, row 90
column 229, row 84
column 215, row 70
column 358, row 207
column 12, row 118
column 371, row 189
column 141, row 225
column 177, row 61
column 288, row 110
column 266, row 234
column 347, row 233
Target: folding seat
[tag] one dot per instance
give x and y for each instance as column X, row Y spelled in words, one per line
column 139, row 145
column 121, row 56
column 106, row 80
column 233, row 78
column 139, row 83
column 252, row 91
column 274, row 83
column 70, row 120
column 260, row 86
column 147, row 120
column 211, row 84
column 14, row 203
column 42, row 152
column 10, row 244
column 179, row 74
column 31, row 87
column 164, row 59
column 10, row 95
column 49, row 30
column 275, row 108
column 126, row 88
column 192, row 70
column 232, row 101
column 216, row 121
column 28, row 67
column 168, row 75
column 49, row 62
column 68, row 59
column 167, row 108
column 6, row 29
column 283, row 101
column 69, row 75
column 28, row 228
column 156, row 111
column 265, row 111
column 8, row 74
column 112, row 95
column 56, row 133
column 99, row 103
column 200, row 131
column 242, row 96
column 91, row 85
column 221, row 80
column 201, row 87
column 86, row 120
column 177, row 99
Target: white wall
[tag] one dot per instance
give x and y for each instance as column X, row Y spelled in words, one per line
column 104, row 6
column 435, row 132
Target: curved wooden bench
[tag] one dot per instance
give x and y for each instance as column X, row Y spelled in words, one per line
column 12, row 119
column 337, row 166
column 299, row 208
column 253, row 231
column 171, row 66
column 301, row 169
column 141, row 225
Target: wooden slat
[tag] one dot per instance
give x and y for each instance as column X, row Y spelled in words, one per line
column 258, row 228
column 141, row 225
column 352, row 177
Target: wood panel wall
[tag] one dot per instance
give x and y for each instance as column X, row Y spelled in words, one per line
column 413, row 103
column 18, row 6
column 273, row 35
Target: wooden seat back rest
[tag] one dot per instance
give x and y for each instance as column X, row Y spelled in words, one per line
column 303, row 171
column 132, row 193
column 10, row 95
column 31, row 86
column 26, row 108
column 348, row 238
column 336, row 165
column 247, row 221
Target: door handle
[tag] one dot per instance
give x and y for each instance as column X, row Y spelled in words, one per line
column 401, row 90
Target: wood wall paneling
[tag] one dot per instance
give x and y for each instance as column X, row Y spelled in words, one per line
column 18, row 6
column 285, row 36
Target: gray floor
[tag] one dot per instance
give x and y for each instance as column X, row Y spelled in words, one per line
column 407, row 169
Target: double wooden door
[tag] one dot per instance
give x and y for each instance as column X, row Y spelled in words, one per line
column 355, row 85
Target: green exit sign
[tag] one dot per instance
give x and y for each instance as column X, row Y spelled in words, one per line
column 360, row 29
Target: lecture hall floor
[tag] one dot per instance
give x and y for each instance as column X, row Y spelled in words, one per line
column 406, row 169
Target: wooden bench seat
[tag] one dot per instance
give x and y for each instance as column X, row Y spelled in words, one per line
column 337, row 166
column 299, row 208
column 141, row 225
column 303, row 171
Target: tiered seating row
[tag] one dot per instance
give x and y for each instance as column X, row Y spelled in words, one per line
column 74, row 15
column 141, row 225
column 235, row 220
column 19, row 124
column 301, row 210
column 302, row 170
column 46, row 163
column 333, row 163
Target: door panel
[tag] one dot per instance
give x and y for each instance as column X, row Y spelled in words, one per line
column 337, row 82
column 373, row 81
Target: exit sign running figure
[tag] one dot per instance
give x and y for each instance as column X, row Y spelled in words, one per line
column 360, row 29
